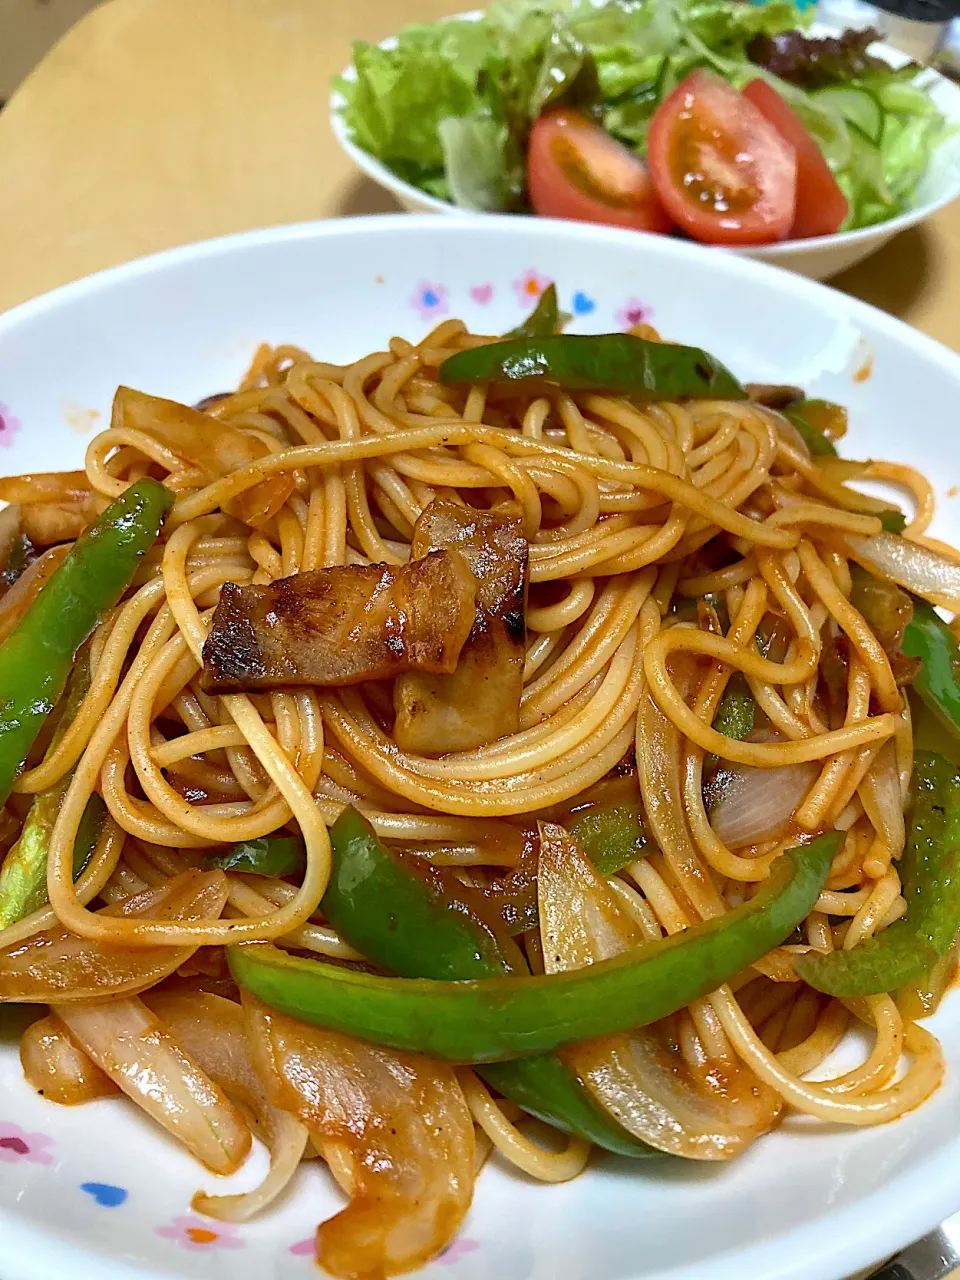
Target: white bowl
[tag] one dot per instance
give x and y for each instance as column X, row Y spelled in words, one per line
column 808, row 1202
column 818, row 258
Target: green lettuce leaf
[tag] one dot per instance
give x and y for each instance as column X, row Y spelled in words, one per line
column 478, row 173
column 913, row 129
column 727, row 28
column 394, row 107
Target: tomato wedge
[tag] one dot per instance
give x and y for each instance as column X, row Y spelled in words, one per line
column 576, row 170
column 821, row 205
column 721, row 170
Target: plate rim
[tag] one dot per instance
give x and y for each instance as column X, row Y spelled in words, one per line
column 504, row 225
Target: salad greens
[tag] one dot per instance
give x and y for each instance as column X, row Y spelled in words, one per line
column 450, row 107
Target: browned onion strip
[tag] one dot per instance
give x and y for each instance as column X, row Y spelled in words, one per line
column 215, row 447
column 918, row 568
column 756, row 805
column 56, row 965
column 213, row 1032
column 59, row 1070
column 401, row 1133
column 882, row 797
column 132, row 1046
column 661, row 783
column 25, row 590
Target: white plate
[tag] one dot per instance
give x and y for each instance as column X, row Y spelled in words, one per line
column 818, row 258
column 807, row 1203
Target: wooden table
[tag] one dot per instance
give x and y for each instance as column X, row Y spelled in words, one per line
column 157, row 122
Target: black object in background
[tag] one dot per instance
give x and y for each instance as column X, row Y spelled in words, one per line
column 921, row 10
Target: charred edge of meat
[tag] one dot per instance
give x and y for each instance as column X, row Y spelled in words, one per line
column 773, row 396
column 208, row 402
column 232, row 649
column 515, row 624
column 342, row 625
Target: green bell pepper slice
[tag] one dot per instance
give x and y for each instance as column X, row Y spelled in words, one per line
column 812, row 418
column 38, row 655
column 891, row 520
column 920, row 998
column 545, row 319
column 495, row 1019
column 599, row 362
column 737, row 710
column 611, row 835
column 23, row 875
column 813, row 421
column 266, row 856
column 391, row 916
column 928, row 638
column 911, row 947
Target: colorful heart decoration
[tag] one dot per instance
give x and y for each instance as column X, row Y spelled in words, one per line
column 105, row 1195
column 583, row 304
column 482, row 293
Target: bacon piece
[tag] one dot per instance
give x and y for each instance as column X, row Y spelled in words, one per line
column 773, row 396
column 342, row 625
column 480, row 701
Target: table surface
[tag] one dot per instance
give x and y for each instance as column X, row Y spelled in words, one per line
column 158, row 122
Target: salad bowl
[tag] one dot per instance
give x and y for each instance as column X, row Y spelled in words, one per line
column 817, row 258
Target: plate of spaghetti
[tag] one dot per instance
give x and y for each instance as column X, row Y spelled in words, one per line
column 480, row 762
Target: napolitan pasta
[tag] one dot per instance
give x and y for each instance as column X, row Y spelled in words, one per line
column 471, row 661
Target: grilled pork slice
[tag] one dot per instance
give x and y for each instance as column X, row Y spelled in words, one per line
column 480, row 701
column 342, row 625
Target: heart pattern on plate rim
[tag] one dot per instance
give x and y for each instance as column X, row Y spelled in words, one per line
column 105, row 1194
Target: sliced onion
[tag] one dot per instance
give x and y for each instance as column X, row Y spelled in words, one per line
column 754, row 805
column 25, row 590
column 55, row 965
column 395, row 1129
column 882, row 798
column 640, row 1079
column 919, row 569
column 139, row 1054
column 213, row 1032
column 786, row 430
column 661, row 784
column 214, row 446
column 59, row 1070
column 581, row 920
column 650, row 1092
